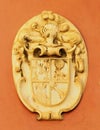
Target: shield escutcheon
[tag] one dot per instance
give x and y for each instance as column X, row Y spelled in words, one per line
column 50, row 82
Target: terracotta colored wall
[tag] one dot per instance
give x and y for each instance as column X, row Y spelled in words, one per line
column 85, row 14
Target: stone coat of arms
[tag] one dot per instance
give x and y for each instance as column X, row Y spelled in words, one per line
column 50, row 66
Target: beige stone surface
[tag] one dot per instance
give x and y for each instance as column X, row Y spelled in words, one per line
column 50, row 66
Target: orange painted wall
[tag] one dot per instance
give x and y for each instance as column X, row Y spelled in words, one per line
column 85, row 14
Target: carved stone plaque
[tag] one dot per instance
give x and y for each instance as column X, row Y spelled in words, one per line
column 50, row 65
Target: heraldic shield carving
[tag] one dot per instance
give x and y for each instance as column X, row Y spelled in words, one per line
column 50, row 66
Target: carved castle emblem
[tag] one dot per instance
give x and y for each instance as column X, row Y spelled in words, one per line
column 50, row 65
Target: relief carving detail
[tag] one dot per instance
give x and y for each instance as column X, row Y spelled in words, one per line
column 49, row 60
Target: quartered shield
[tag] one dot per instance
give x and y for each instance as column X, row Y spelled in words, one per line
column 50, row 82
